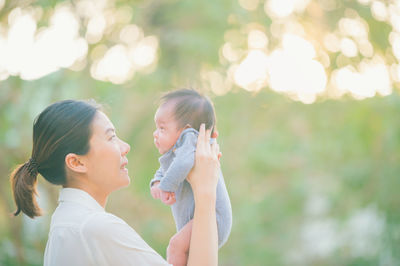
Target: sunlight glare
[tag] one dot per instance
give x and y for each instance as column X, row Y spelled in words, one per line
column 257, row 40
column 332, row 43
column 284, row 8
column 307, row 75
column 279, row 8
column 114, row 66
column 373, row 77
column 229, row 52
column 379, row 11
column 144, row 54
column 366, row 48
column 95, row 29
column 395, row 42
column 249, row 4
column 348, row 47
column 20, row 40
column 353, row 27
column 252, row 71
column 130, row 34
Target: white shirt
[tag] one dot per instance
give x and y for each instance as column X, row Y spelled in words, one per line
column 83, row 233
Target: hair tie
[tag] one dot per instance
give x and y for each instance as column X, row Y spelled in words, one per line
column 33, row 167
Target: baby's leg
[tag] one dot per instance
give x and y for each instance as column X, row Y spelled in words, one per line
column 178, row 248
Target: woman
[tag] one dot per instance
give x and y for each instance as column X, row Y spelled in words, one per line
column 75, row 145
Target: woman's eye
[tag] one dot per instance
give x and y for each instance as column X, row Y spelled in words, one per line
column 113, row 137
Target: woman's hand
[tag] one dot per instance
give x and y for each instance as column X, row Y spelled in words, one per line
column 204, row 175
column 204, row 178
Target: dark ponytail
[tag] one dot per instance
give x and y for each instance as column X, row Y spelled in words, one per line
column 23, row 182
column 62, row 128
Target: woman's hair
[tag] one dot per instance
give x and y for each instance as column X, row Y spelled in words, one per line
column 62, row 128
column 191, row 108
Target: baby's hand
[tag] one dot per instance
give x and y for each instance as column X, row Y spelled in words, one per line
column 168, row 197
column 155, row 190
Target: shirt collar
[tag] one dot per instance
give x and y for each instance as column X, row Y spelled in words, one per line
column 79, row 196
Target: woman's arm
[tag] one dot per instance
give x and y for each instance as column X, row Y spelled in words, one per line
column 204, row 178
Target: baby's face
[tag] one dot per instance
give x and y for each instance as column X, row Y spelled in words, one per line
column 167, row 132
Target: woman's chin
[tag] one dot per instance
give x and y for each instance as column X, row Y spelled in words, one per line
column 123, row 185
column 125, row 179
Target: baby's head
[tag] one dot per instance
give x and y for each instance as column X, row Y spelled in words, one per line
column 179, row 110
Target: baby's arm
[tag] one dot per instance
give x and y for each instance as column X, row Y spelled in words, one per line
column 181, row 165
column 154, row 183
column 166, row 197
column 157, row 177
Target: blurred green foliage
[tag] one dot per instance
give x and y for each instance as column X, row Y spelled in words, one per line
column 309, row 184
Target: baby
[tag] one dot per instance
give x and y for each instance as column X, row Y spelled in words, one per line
column 177, row 121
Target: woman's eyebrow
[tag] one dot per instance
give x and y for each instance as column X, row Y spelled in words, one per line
column 110, row 129
column 159, row 121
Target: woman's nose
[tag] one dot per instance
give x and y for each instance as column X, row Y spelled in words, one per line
column 155, row 133
column 125, row 148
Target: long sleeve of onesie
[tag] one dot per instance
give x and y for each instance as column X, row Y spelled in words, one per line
column 182, row 163
column 157, row 177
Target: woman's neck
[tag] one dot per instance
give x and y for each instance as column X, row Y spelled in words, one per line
column 98, row 195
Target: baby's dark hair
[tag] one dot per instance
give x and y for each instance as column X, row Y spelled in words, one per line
column 191, row 108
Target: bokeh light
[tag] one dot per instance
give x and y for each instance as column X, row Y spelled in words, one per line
column 254, row 56
column 32, row 53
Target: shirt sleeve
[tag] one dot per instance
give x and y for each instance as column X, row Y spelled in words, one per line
column 181, row 165
column 111, row 241
column 157, row 177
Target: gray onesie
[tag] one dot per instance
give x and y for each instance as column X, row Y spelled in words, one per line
column 175, row 165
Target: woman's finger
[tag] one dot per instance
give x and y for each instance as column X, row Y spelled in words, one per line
column 208, row 135
column 207, row 141
column 200, row 139
column 214, row 149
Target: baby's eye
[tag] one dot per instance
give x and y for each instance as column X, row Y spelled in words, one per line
column 113, row 137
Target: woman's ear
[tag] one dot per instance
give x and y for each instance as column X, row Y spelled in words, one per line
column 75, row 163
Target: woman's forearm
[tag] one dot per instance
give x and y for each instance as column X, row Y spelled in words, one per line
column 204, row 240
column 203, row 179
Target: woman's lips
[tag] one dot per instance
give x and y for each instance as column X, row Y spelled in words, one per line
column 123, row 165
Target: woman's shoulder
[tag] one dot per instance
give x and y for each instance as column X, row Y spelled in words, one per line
column 103, row 222
column 108, row 228
column 117, row 241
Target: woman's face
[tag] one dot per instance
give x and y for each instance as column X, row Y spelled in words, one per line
column 106, row 159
